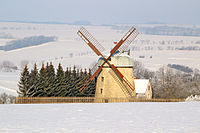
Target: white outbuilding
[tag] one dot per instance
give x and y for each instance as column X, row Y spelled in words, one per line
column 143, row 88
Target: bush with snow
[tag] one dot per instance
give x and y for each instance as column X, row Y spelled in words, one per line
column 193, row 98
column 7, row 99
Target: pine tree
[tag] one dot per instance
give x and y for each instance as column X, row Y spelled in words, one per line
column 92, row 86
column 81, row 73
column 68, row 75
column 83, row 78
column 90, row 89
column 40, row 91
column 60, row 73
column 50, row 79
column 72, row 84
column 34, row 79
column 24, row 83
column 60, row 84
column 78, row 84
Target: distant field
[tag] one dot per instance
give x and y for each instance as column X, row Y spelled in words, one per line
column 70, row 50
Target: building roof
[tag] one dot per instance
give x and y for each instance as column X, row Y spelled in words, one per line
column 141, row 85
column 119, row 60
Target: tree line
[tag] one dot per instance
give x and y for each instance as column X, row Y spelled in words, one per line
column 181, row 68
column 7, row 99
column 48, row 82
column 170, row 82
column 27, row 42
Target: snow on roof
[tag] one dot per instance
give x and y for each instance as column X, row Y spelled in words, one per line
column 141, row 85
column 118, row 60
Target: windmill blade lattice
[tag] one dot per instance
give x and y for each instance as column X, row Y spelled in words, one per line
column 94, row 68
column 90, row 38
column 128, row 39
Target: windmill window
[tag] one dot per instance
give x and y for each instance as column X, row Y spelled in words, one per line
column 102, row 79
column 101, row 90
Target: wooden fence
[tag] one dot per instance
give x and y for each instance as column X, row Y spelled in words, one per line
column 36, row 100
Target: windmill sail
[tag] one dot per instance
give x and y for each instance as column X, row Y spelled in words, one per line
column 90, row 40
column 97, row 48
column 94, row 68
column 128, row 38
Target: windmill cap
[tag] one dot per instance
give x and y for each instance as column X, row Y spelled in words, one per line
column 122, row 60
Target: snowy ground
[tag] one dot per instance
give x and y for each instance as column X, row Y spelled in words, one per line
column 101, row 118
column 8, row 82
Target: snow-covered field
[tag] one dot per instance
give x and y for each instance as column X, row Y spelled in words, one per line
column 70, row 50
column 101, row 118
column 8, row 82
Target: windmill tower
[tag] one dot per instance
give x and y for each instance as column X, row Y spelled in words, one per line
column 114, row 72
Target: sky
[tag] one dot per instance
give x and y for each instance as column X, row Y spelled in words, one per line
column 102, row 11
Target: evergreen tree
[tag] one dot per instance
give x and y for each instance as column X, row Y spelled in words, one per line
column 83, row 79
column 92, row 86
column 34, row 79
column 50, row 79
column 46, row 80
column 78, row 84
column 81, row 73
column 68, row 75
column 60, row 84
column 72, row 84
column 24, row 83
column 90, row 89
column 60, row 73
column 40, row 91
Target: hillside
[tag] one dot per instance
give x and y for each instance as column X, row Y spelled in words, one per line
column 26, row 42
column 70, row 49
column 8, row 82
column 153, row 51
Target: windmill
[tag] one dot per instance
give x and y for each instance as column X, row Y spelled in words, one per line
column 125, row 87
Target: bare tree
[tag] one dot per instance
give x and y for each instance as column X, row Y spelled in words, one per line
column 7, row 66
column 7, row 99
